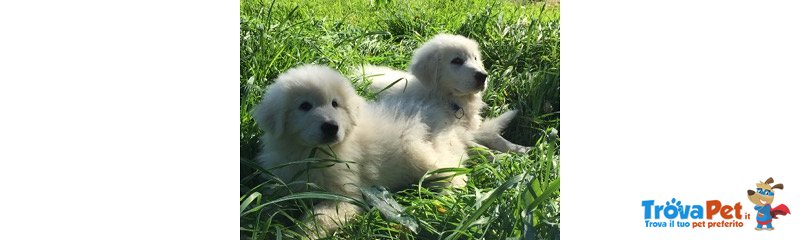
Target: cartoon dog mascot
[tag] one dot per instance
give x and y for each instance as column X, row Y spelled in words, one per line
column 762, row 198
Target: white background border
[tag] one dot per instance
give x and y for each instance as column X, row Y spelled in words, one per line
column 696, row 100
column 120, row 120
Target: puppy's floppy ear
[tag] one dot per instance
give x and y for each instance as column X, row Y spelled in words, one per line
column 354, row 109
column 353, row 101
column 778, row 186
column 270, row 113
column 425, row 65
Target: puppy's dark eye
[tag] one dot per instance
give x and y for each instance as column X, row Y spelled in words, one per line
column 335, row 104
column 457, row 61
column 305, row 106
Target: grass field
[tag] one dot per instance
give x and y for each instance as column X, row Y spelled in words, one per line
column 509, row 196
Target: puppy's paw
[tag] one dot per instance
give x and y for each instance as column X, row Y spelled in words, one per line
column 328, row 216
column 521, row 149
column 459, row 181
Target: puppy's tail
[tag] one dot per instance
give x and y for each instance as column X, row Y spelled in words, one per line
column 488, row 134
column 496, row 125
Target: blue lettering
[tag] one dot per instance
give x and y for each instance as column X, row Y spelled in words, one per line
column 671, row 210
column 646, row 205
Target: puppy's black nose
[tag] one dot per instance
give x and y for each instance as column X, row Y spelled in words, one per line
column 480, row 78
column 750, row 192
column 329, row 129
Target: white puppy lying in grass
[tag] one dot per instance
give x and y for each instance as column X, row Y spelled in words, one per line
column 446, row 73
column 312, row 114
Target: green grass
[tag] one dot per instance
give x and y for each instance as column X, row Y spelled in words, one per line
column 512, row 196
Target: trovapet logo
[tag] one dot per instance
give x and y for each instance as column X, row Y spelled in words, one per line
column 709, row 215
column 715, row 214
column 763, row 198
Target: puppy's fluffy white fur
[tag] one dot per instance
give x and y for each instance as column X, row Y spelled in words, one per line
column 447, row 73
column 383, row 143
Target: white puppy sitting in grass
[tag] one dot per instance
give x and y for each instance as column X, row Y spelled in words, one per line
column 446, row 73
column 311, row 111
